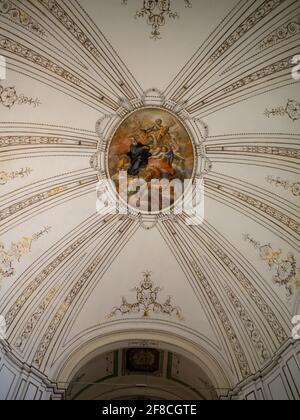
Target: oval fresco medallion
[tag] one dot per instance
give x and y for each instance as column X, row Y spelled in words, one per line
column 150, row 144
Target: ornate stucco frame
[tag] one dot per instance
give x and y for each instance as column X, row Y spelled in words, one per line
column 107, row 125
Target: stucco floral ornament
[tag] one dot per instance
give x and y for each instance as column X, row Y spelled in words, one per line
column 4, row 6
column 296, row 189
column 156, row 12
column 284, row 268
column 293, row 110
column 146, row 302
column 268, row 254
column 8, row 96
column 20, row 248
column 6, row 269
column 16, row 251
column 5, row 176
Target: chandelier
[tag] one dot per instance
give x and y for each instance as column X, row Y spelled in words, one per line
column 156, row 12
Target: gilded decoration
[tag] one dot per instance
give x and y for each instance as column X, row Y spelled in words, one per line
column 17, row 250
column 227, row 325
column 14, row 13
column 283, row 267
column 146, row 302
column 36, row 316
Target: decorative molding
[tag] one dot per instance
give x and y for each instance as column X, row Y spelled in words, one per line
column 292, row 110
column 58, row 317
column 5, row 176
column 250, row 327
column 156, row 12
column 231, row 335
column 252, row 20
column 28, row 140
column 16, row 251
column 267, row 71
column 255, row 150
column 259, row 301
column 56, row 10
column 25, row 379
column 9, row 97
column 283, row 365
column 35, row 317
column 282, row 33
column 40, row 278
column 19, row 16
column 237, row 311
column 257, row 204
column 272, row 150
column 152, row 98
column 143, row 361
column 174, row 369
column 56, row 190
column 15, row 208
column 293, row 187
column 20, row 50
column 284, row 268
column 74, row 382
column 146, row 302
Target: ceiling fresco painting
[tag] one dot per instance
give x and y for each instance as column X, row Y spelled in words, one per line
column 105, row 107
column 151, row 145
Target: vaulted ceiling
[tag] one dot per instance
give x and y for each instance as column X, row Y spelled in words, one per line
column 234, row 278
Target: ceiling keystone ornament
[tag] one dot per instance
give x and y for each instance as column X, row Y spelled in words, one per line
column 156, row 12
column 284, row 268
column 292, row 110
column 146, row 302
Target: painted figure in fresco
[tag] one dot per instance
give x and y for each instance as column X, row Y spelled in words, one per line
column 139, row 155
column 156, row 133
column 166, row 160
column 163, row 161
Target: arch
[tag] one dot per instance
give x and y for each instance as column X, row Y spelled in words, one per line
column 215, row 369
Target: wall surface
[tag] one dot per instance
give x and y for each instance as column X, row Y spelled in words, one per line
column 278, row 381
column 21, row 382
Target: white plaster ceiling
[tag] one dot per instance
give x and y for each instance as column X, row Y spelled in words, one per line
column 258, row 320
